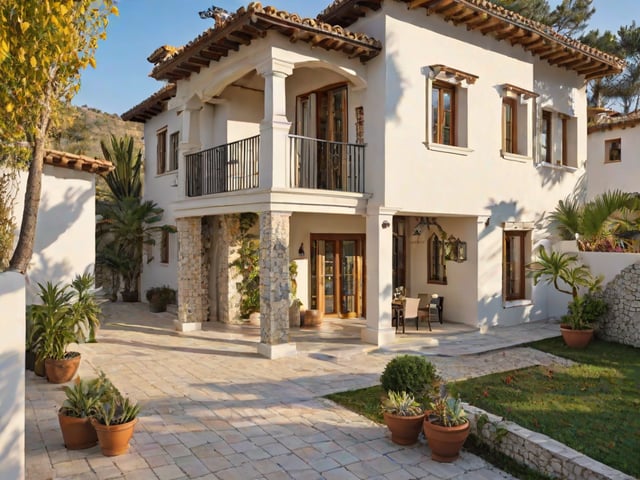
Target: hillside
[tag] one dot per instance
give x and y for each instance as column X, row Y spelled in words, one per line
column 82, row 128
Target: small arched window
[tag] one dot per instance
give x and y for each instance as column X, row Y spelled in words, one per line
column 436, row 268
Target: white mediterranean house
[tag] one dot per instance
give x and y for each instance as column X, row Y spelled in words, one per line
column 385, row 143
column 613, row 146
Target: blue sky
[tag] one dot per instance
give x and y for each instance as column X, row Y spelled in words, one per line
column 121, row 79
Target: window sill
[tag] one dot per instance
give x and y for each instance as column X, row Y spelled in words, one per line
column 517, row 303
column 167, row 173
column 515, row 157
column 555, row 166
column 440, row 147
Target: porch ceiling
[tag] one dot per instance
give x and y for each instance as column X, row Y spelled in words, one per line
column 251, row 23
column 502, row 24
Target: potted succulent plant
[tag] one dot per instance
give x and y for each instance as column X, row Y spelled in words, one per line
column 403, row 416
column 567, row 275
column 74, row 416
column 114, row 420
column 64, row 315
column 446, row 428
column 160, row 297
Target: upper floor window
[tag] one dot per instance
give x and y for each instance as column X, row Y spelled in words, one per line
column 613, row 150
column 161, row 150
column 546, row 147
column 447, row 108
column 558, row 139
column 436, row 268
column 516, row 123
column 443, row 113
column 174, row 142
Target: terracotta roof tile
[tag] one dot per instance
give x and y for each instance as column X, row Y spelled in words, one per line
column 150, row 106
column 608, row 120
column 77, row 162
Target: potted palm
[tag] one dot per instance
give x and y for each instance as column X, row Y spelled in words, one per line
column 114, row 420
column 403, row 415
column 567, row 275
column 446, row 428
column 160, row 297
column 64, row 315
column 74, row 416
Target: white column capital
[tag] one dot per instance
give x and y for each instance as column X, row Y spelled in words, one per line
column 275, row 67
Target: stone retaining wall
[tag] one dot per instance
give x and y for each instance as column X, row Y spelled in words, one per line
column 538, row 451
column 621, row 324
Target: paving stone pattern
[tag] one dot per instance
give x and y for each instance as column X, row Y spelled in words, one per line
column 213, row 409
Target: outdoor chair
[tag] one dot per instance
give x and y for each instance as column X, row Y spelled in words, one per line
column 423, row 308
column 436, row 306
column 409, row 312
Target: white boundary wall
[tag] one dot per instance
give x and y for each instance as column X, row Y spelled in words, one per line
column 12, row 383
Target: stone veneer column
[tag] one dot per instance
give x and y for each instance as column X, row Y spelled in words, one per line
column 274, row 285
column 192, row 274
column 226, row 302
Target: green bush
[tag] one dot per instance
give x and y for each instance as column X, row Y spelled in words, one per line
column 409, row 373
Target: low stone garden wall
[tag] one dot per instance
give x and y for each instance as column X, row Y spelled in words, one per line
column 537, row 451
column 621, row 324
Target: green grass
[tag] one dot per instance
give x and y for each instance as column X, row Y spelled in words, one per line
column 591, row 406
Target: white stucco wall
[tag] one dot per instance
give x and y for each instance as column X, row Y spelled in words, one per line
column 623, row 175
column 12, row 383
column 65, row 231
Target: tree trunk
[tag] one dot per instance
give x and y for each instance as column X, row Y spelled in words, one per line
column 24, row 249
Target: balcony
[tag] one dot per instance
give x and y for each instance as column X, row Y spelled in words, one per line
column 313, row 163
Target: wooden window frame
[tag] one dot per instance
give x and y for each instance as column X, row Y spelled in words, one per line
column 161, row 150
column 164, row 247
column 513, row 131
column 547, row 124
column 608, row 144
column 438, row 120
column 565, row 135
column 174, row 146
column 436, row 275
column 522, row 236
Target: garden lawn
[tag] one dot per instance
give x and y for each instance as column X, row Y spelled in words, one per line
column 591, row 406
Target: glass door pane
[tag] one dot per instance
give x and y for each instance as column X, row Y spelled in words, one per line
column 329, row 277
column 348, row 278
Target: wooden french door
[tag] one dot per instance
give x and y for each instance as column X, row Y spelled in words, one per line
column 323, row 115
column 337, row 274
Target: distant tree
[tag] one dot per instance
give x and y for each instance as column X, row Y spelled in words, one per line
column 569, row 18
column 43, row 48
column 624, row 88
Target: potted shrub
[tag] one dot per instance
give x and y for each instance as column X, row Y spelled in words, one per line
column 403, row 416
column 114, row 420
column 75, row 414
column 61, row 319
column 567, row 275
column 160, row 297
column 446, row 428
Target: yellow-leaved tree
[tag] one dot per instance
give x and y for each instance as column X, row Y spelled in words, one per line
column 44, row 45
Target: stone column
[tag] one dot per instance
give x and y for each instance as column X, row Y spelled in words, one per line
column 274, row 128
column 274, row 285
column 193, row 295
column 226, row 302
column 379, row 277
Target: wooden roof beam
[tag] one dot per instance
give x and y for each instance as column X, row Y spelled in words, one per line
column 566, row 61
column 493, row 26
column 464, row 17
column 209, row 55
column 413, row 4
column 555, row 54
column 537, row 44
column 240, row 37
column 507, row 32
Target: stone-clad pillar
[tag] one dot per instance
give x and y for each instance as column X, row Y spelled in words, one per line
column 193, row 281
column 274, row 285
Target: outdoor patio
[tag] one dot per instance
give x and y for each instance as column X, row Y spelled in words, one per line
column 212, row 408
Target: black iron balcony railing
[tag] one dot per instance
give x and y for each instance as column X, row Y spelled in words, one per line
column 326, row 165
column 225, row 168
column 313, row 163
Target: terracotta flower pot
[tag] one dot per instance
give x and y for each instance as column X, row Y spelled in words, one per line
column 77, row 433
column 404, row 430
column 62, row 371
column 445, row 442
column 114, row 439
column 576, row 338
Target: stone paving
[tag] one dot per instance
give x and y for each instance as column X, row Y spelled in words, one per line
column 213, row 409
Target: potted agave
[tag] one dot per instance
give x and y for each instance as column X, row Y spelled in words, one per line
column 403, row 416
column 446, row 428
column 75, row 414
column 114, row 420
